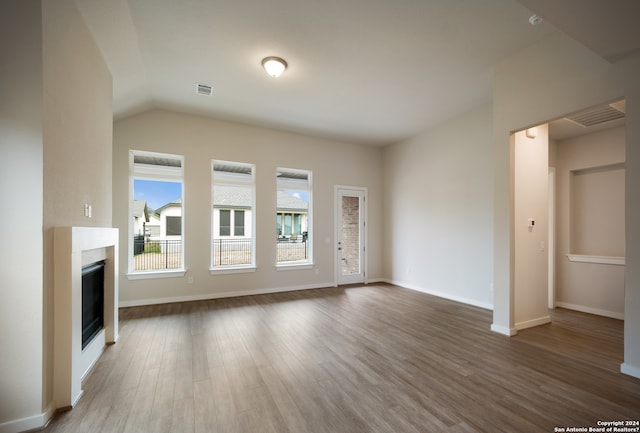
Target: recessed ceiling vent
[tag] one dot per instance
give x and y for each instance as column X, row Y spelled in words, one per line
column 204, row 89
column 598, row 115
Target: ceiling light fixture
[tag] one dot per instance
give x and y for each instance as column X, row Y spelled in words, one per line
column 535, row 20
column 274, row 66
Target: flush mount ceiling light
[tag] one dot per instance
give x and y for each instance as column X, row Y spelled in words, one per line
column 274, row 66
column 535, row 20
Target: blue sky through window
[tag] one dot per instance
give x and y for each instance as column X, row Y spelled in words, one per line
column 302, row 195
column 156, row 193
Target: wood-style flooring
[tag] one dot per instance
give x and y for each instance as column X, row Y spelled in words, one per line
column 375, row 358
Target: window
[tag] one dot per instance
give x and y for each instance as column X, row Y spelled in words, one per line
column 174, row 226
column 225, row 222
column 293, row 217
column 238, row 223
column 156, row 224
column 233, row 215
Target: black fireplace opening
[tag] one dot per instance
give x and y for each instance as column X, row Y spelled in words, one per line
column 92, row 301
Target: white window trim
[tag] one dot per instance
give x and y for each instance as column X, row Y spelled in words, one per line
column 159, row 173
column 231, row 179
column 292, row 266
column 295, row 185
column 240, row 269
column 147, row 275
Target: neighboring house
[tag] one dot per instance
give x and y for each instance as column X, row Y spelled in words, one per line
column 292, row 216
column 170, row 220
column 145, row 221
column 232, row 212
column 152, row 228
column 140, row 217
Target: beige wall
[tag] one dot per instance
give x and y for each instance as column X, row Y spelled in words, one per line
column 531, row 171
column 525, row 95
column 200, row 140
column 599, row 214
column 438, row 210
column 57, row 139
column 78, row 126
column 21, row 369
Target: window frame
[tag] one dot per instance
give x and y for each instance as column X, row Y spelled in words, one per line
column 222, row 178
column 284, row 183
column 158, row 173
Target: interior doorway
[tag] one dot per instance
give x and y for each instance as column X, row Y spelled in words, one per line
column 585, row 218
column 350, row 217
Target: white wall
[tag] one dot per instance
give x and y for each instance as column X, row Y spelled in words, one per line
column 531, row 169
column 525, row 95
column 200, row 140
column 595, row 288
column 21, row 362
column 438, row 210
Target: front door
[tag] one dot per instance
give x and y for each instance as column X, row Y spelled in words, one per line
column 350, row 235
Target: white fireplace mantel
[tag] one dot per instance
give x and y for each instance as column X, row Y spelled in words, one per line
column 75, row 247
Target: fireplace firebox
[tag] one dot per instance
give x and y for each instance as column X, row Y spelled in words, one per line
column 92, row 301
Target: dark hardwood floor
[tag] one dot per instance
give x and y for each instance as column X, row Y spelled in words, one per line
column 374, row 358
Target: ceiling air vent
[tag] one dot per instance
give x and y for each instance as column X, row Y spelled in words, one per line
column 597, row 115
column 204, row 89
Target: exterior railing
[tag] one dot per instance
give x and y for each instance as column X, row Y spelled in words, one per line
column 162, row 254
column 232, row 252
column 156, row 254
column 292, row 250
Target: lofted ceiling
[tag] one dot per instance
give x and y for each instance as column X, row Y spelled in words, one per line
column 364, row 71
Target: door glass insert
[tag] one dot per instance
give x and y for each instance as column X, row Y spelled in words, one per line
column 350, row 236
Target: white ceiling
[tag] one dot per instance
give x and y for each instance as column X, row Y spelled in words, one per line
column 564, row 128
column 608, row 27
column 365, row 71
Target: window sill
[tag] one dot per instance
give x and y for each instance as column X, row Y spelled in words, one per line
column 294, row 267
column 176, row 273
column 233, row 270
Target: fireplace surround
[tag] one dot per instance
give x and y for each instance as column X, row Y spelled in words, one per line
column 75, row 248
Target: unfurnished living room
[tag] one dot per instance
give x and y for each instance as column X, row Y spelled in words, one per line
column 320, row 216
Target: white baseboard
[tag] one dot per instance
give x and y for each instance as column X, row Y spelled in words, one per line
column 208, row 296
column 375, row 280
column 509, row 332
column 35, row 422
column 533, row 322
column 590, row 310
column 440, row 294
column 630, row 370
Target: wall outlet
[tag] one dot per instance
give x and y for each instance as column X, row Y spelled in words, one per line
column 190, row 280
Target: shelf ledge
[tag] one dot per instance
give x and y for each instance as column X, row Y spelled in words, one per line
column 602, row 260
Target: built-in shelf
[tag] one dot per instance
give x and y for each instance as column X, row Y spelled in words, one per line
column 602, row 260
